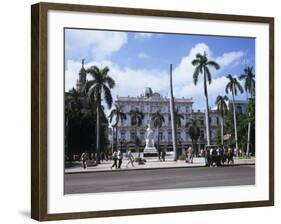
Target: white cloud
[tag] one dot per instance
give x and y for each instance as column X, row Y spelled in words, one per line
column 98, row 45
column 228, row 58
column 142, row 35
column 143, row 55
column 132, row 81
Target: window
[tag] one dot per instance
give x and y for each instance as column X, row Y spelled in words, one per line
column 142, row 135
column 187, row 136
column 169, row 136
column 201, row 134
column 161, row 135
column 123, row 135
column 132, row 136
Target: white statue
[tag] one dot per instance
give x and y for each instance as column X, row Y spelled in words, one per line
column 149, row 137
column 149, row 149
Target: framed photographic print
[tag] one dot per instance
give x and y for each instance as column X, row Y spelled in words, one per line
column 140, row 111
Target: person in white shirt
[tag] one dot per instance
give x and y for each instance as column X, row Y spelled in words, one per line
column 120, row 158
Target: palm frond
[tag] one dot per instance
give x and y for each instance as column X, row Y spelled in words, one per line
column 213, row 64
column 107, row 96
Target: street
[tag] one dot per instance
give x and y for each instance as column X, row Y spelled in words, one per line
column 152, row 179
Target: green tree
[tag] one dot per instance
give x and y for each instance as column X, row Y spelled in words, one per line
column 119, row 115
column 222, row 109
column 72, row 109
column 194, row 133
column 158, row 120
column 203, row 64
column 234, row 86
column 177, row 119
column 98, row 89
column 136, row 120
column 249, row 86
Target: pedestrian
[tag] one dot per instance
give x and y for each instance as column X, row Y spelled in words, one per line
column 163, row 155
column 189, row 155
column 186, row 155
column 106, row 154
column 159, row 154
column 130, row 159
column 206, row 155
column 230, row 156
column 114, row 157
column 201, row 152
column 102, row 156
column 120, row 158
column 84, row 160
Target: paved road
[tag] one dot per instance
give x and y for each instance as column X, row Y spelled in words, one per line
column 131, row 180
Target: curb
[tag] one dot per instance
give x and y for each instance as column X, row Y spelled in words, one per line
column 152, row 168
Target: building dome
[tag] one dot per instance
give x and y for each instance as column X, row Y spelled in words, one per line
column 147, row 92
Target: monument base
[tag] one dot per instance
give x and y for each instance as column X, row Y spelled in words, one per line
column 150, row 151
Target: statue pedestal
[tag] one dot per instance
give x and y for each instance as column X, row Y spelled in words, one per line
column 150, row 152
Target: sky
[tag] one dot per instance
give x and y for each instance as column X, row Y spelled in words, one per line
column 138, row 60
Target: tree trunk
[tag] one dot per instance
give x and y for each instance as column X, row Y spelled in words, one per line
column 116, row 136
column 222, row 131
column 234, row 118
column 192, row 142
column 158, row 140
column 172, row 111
column 207, row 110
column 137, row 148
column 248, row 139
column 112, row 146
column 98, row 134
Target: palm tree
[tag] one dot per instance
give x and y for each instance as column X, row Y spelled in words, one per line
column 72, row 108
column 119, row 115
column 194, row 133
column 98, row 89
column 249, row 86
column 172, row 114
column 234, row 86
column 202, row 67
column 222, row 109
column 158, row 119
column 136, row 120
column 177, row 120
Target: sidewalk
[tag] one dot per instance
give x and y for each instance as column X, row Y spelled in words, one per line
column 152, row 163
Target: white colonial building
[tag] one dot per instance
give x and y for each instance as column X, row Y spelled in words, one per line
column 149, row 103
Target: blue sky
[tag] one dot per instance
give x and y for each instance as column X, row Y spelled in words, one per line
column 137, row 60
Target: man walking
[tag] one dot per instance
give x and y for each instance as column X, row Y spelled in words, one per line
column 84, row 160
column 120, row 158
column 130, row 159
column 163, row 153
column 114, row 157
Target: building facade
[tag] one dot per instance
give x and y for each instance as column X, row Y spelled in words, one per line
column 149, row 103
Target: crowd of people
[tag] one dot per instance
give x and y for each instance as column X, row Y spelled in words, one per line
column 213, row 155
